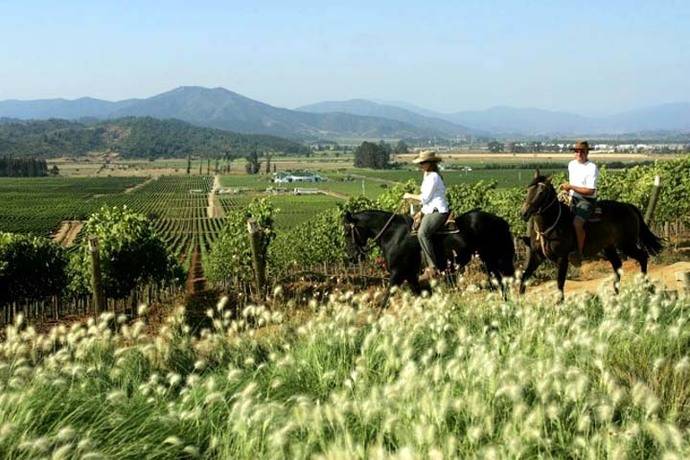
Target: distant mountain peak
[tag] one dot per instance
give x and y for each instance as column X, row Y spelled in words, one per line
column 222, row 108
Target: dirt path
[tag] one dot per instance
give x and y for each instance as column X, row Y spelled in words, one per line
column 375, row 179
column 215, row 209
column 141, row 185
column 661, row 274
column 334, row 194
column 196, row 282
column 67, row 232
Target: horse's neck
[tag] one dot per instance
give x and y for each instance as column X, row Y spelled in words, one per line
column 383, row 229
column 548, row 218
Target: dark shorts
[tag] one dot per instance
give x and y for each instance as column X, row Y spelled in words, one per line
column 582, row 208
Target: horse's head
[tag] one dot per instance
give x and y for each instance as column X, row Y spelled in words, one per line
column 355, row 238
column 540, row 193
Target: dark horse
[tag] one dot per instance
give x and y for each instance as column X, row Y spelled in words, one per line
column 552, row 236
column 480, row 232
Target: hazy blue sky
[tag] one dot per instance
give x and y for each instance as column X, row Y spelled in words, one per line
column 586, row 56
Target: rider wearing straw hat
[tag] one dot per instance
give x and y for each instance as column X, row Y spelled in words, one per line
column 582, row 187
column 435, row 208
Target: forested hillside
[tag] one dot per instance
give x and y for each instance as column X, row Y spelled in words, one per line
column 131, row 137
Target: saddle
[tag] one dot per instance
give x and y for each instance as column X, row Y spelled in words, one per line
column 449, row 228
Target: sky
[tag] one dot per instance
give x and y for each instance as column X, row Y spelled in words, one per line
column 589, row 57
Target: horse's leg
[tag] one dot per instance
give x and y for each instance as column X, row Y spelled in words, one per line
column 562, row 273
column 640, row 255
column 499, row 277
column 415, row 285
column 533, row 262
column 493, row 272
column 612, row 256
column 396, row 279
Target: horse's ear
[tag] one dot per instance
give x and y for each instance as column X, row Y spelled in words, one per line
column 536, row 173
column 348, row 217
column 548, row 180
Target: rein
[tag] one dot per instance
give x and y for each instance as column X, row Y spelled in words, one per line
column 542, row 236
column 354, row 229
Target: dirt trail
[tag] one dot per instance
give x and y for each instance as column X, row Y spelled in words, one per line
column 196, row 282
column 334, row 194
column 215, row 209
column 661, row 274
column 141, row 185
column 374, row 179
column 67, row 232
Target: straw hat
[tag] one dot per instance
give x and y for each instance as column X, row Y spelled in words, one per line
column 427, row 156
column 581, row 145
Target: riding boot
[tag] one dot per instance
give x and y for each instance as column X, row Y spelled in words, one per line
column 429, row 274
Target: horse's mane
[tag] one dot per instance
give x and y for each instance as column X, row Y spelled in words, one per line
column 404, row 217
column 539, row 179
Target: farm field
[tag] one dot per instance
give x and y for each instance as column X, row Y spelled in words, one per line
column 451, row 376
column 325, row 162
column 504, row 178
column 177, row 205
column 38, row 205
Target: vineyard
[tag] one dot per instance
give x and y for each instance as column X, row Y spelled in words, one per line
column 305, row 230
column 318, row 369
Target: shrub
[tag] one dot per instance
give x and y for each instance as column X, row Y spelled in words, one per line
column 130, row 254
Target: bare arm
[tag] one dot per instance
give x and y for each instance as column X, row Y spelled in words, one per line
column 584, row 191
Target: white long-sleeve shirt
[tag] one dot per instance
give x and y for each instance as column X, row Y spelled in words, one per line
column 433, row 193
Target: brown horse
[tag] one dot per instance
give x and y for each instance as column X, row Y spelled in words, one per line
column 552, row 236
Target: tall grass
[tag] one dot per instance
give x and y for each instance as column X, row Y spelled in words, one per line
column 458, row 375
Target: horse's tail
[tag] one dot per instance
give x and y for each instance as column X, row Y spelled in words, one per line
column 648, row 240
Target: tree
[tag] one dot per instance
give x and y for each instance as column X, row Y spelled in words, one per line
column 253, row 164
column 495, row 146
column 401, row 147
column 55, row 171
column 370, row 155
column 268, row 163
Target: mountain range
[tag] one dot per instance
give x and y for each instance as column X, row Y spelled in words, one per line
column 223, row 109
column 503, row 120
column 351, row 119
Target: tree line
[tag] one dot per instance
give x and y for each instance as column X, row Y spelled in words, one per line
column 132, row 137
column 23, row 167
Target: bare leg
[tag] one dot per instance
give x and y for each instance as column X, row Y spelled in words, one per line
column 579, row 225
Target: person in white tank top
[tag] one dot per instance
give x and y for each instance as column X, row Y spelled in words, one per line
column 582, row 187
column 435, row 209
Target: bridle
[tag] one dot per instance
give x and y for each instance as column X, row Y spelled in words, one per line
column 542, row 235
column 354, row 230
column 361, row 251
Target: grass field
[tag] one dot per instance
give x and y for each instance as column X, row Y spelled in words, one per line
column 451, row 376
